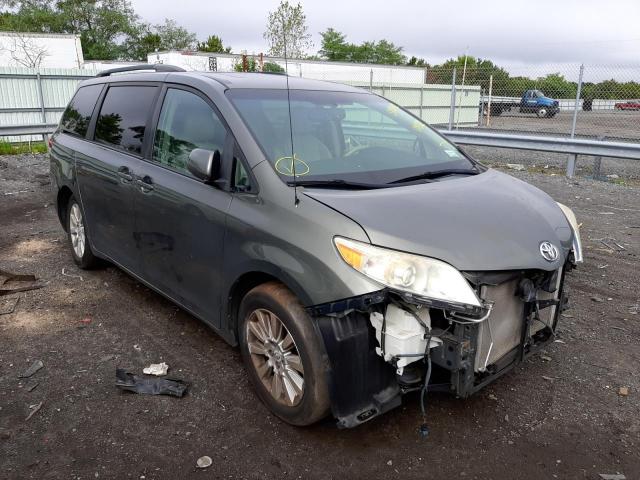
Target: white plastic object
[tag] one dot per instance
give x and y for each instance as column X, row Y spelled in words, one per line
column 157, row 369
column 403, row 335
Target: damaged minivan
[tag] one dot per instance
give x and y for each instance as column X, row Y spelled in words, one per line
column 352, row 252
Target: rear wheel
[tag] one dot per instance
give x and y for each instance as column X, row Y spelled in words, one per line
column 283, row 354
column 542, row 112
column 77, row 235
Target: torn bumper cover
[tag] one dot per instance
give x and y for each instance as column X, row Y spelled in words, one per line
column 371, row 363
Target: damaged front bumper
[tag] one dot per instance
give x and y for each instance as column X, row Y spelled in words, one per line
column 466, row 353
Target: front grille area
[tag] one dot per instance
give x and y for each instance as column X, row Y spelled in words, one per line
column 502, row 331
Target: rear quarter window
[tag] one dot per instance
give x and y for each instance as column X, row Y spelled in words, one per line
column 75, row 119
column 123, row 117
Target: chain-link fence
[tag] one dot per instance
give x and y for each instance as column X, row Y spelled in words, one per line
column 557, row 100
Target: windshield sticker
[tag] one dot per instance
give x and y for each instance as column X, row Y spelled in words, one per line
column 285, row 166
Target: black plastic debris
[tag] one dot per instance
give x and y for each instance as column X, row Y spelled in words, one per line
column 149, row 385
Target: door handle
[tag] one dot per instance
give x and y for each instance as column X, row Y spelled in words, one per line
column 145, row 183
column 125, row 175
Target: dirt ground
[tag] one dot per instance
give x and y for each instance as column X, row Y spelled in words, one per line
column 559, row 415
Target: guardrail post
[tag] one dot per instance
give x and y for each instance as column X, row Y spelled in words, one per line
column 571, row 163
column 41, row 100
column 597, row 162
column 452, row 108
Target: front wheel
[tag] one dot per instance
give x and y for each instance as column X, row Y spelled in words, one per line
column 77, row 236
column 542, row 112
column 283, row 354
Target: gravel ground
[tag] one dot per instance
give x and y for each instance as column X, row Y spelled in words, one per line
column 559, row 415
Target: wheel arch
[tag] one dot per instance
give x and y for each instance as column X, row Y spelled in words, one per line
column 62, row 202
column 249, row 280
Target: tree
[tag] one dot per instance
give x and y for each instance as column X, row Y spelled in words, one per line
column 335, row 47
column 253, row 66
column 175, row 37
column 25, row 51
column 101, row 24
column 287, row 29
column 213, row 44
column 417, row 62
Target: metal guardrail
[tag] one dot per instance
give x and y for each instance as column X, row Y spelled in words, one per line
column 570, row 146
column 36, row 129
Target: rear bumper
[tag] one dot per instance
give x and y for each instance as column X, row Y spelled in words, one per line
column 363, row 385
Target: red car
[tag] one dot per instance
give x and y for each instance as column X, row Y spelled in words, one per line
column 631, row 105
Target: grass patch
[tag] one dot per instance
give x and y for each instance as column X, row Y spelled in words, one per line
column 7, row 148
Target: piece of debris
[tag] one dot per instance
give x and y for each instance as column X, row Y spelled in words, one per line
column 597, row 299
column 515, row 166
column 550, row 379
column 149, row 385
column 492, row 397
column 34, row 409
column 603, row 266
column 390, row 462
column 623, row 391
column 612, row 476
column 546, row 358
column 204, row 462
column 72, row 275
column 86, row 320
column 8, row 305
column 157, row 369
column 137, row 348
column 19, row 283
column 559, row 341
column 30, row 387
column 35, row 366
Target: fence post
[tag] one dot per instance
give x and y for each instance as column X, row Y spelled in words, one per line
column 371, row 80
column 452, row 108
column 41, row 100
column 571, row 163
column 489, row 103
column 597, row 162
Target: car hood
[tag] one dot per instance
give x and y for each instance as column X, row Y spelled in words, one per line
column 489, row 221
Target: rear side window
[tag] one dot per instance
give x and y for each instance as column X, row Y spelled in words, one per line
column 186, row 122
column 123, row 117
column 76, row 118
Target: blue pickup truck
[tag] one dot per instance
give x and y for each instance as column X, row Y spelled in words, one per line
column 532, row 101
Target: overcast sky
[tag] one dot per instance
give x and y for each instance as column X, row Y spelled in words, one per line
column 515, row 33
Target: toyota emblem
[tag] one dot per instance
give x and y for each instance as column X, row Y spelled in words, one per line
column 549, row 251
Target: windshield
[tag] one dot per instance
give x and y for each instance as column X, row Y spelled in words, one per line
column 354, row 137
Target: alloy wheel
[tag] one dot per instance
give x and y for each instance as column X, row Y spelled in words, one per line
column 275, row 357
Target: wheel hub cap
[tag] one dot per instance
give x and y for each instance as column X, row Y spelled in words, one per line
column 275, row 357
column 76, row 229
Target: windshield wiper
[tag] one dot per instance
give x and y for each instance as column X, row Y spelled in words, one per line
column 337, row 183
column 436, row 174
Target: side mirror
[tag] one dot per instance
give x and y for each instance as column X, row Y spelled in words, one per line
column 204, row 164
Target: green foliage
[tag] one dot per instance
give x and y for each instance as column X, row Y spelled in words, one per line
column 335, row 47
column 254, row 66
column 7, row 148
column 287, row 30
column 109, row 29
column 213, row 44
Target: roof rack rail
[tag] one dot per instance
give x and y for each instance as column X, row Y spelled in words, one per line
column 158, row 67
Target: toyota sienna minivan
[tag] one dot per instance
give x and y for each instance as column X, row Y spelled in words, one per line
column 352, row 252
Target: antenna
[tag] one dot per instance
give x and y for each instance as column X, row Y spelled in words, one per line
column 296, row 200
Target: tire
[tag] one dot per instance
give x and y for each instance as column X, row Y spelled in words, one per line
column 77, row 236
column 542, row 112
column 272, row 366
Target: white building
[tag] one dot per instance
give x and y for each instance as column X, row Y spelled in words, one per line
column 316, row 69
column 40, row 50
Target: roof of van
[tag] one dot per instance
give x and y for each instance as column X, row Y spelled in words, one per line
column 274, row 81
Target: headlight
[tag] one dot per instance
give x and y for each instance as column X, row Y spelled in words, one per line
column 418, row 275
column 577, row 243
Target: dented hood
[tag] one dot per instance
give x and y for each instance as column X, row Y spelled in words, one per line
column 489, row 221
